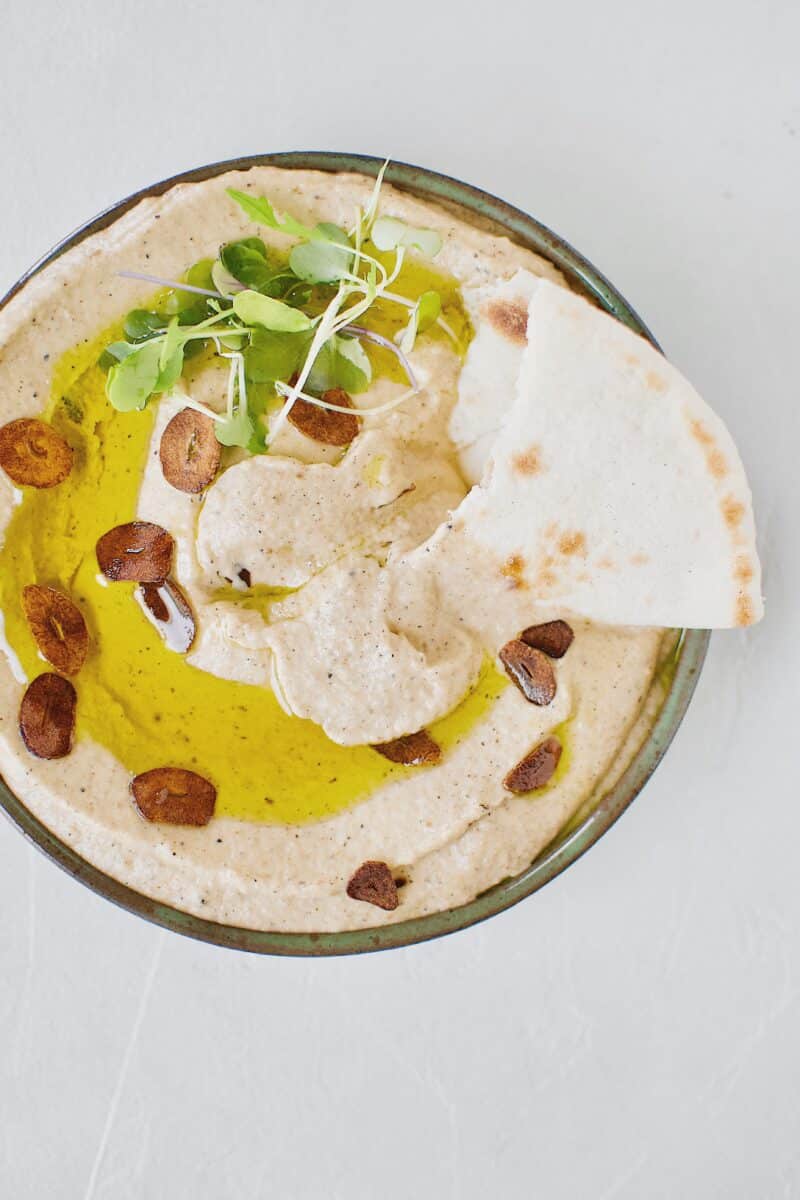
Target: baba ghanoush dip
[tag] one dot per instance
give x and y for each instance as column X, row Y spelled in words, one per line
column 320, row 609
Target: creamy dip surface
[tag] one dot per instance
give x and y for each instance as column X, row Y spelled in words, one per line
column 342, row 624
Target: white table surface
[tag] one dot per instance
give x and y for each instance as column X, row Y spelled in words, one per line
column 633, row 1030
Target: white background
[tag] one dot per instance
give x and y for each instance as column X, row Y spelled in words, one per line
column 633, row 1031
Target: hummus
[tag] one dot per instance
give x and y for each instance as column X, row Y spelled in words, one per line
column 318, row 632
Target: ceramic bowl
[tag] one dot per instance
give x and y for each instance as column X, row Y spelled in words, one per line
column 486, row 211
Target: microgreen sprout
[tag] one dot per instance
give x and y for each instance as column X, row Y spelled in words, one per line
column 284, row 389
column 369, row 335
column 169, row 283
column 295, row 329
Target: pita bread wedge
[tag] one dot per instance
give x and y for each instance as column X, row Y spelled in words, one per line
column 488, row 379
column 612, row 488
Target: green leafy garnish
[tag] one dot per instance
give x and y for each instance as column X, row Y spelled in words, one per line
column 173, row 341
column 424, row 313
column 389, row 233
column 259, row 209
column 114, row 354
column 353, row 366
column 199, row 276
column 271, row 356
column 254, row 309
column 326, row 259
column 236, row 430
column 236, row 427
column 247, row 262
column 170, row 360
column 139, row 325
column 341, row 363
column 193, row 314
column 251, row 309
column 223, row 281
column 132, row 381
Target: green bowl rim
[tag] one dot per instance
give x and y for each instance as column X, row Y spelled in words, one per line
column 568, row 847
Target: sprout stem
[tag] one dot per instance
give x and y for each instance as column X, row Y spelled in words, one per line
column 170, row 283
column 380, row 340
column 321, row 334
column 188, row 402
column 283, row 389
column 406, row 303
column 371, row 210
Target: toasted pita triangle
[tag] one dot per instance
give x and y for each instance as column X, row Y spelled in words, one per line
column 614, row 489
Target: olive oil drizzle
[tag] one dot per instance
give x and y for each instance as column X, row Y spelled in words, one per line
column 147, row 705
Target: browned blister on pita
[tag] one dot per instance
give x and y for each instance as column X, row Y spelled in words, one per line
column 47, row 716
column 536, row 769
column 168, row 610
column 174, row 796
column 325, row 424
column 373, row 883
column 509, row 318
column 530, row 670
column 33, row 454
column 139, row 550
column 58, row 627
column 413, row 750
column 189, row 451
column 553, row 638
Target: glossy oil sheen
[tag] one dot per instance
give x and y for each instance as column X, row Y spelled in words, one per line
column 141, row 700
